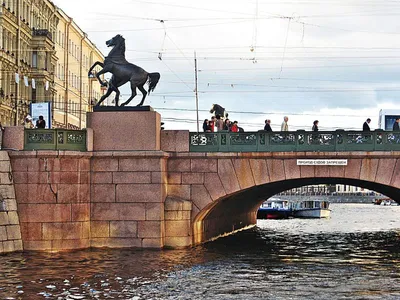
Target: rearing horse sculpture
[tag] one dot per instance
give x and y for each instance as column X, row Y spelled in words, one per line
column 217, row 109
column 122, row 71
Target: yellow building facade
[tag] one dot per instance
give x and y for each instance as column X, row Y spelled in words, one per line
column 44, row 57
column 75, row 91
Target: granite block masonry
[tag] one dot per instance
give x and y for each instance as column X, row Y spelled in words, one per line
column 10, row 230
column 157, row 195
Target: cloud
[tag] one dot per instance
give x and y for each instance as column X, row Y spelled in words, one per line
column 303, row 59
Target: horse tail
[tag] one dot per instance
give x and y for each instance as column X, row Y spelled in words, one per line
column 153, row 80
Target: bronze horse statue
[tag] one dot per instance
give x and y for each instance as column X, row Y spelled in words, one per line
column 217, row 109
column 122, row 71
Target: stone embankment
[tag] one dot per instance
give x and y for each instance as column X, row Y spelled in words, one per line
column 10, row 232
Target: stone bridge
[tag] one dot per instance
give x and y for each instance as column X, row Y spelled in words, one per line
column 154, row 192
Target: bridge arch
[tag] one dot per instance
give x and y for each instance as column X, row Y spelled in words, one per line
column 229, row 199
column 239, row 210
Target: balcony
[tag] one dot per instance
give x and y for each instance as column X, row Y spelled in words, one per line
column 42, row 32
column 8, row 56
column 8, row 14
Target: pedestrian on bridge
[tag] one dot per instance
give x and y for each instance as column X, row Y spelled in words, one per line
column 28, row 122
column 227, row 125
column 41, row 123
column 366, row 125
column 396, row 126
column 219, row 123
column 315, row 125
column 234, row 127
column 285, row 126
column 206, row 126
column 267, row 126
column 212, row 124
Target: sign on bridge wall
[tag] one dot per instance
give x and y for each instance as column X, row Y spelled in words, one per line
column 41, row 109
column 322, row 162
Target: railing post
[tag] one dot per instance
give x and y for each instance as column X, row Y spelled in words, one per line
column 380, row 139
column 341, row 140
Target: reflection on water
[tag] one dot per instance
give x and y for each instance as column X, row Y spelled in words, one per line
column 353, row 255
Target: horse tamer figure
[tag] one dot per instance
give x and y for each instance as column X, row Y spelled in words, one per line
column 122, row 71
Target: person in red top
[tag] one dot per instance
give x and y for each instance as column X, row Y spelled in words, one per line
column 235, row 127
column 212, row 124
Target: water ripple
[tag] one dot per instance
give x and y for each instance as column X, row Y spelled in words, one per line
column 353, row 255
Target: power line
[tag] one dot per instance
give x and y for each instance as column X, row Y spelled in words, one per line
column 259, row 125
column 261, row 113
column 171, row 27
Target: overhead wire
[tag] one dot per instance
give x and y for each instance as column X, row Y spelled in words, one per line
column 284, row 48
column 297, row 20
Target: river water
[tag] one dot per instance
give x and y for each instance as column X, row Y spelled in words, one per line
column 355, row 254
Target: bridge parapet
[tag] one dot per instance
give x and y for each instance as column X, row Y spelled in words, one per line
column 57, row 139
column 19, row 138
column 297, row 141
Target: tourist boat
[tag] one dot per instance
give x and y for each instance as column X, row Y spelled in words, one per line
column 311, row 209
column 384, row 202
column 275, row 209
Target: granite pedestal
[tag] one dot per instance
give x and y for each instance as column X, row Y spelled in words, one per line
column 125, row 128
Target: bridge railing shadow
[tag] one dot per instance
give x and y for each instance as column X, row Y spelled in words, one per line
column 296, row 141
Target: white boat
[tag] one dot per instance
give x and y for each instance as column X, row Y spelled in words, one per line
column 385, row 202
column 311, row 209
column 274, row 209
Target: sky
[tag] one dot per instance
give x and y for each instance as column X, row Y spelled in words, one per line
column 334, row 61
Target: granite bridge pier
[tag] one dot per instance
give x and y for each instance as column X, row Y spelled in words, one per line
column 123, row 182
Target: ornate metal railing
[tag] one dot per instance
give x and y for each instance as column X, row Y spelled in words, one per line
column 55, row 139
column 297, row 141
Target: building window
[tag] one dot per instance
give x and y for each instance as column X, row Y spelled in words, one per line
column 34, row 59
column 45, row 62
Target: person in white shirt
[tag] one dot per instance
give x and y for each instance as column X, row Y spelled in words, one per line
column 284, row 126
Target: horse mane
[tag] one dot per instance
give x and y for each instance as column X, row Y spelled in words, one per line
column 122, row 47
column 114, row 53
